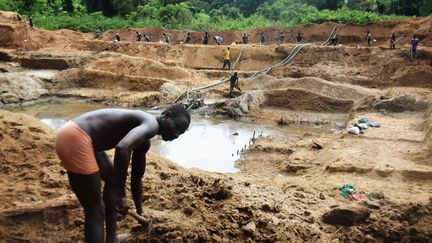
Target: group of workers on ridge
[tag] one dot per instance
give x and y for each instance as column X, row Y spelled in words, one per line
column 205, row 38
column 414, row 42
column 262, row 38
column 30, row 20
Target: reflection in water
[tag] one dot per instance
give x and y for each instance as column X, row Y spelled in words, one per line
column 57, row 112
column 209, row 144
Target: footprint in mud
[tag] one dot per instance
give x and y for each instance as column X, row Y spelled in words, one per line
column 36, row 130
column 13, row 124
column 30, row 146
column 15, row 133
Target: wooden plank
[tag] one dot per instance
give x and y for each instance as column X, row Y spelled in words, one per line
column 63, row 201
column 41, row 206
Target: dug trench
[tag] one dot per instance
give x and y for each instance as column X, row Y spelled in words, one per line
column 287, row 189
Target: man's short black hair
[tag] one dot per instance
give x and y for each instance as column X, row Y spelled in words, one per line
column 178, row 111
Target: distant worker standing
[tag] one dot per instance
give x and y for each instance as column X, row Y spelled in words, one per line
column 117, row 37
column 414, row 43
column 205, row 38
column 146, row 38
column 188, row 38
column 98, row 34
column 334, row 40
column 299, row 37
column 138, row 36
column 245, row 38
column 369, row 38
column 281, row 37
column 262, row 38
column 166, row 37
column 234, row 84
column 31, row 21
column 218, row 40
column 393, row 41
column 227, row 59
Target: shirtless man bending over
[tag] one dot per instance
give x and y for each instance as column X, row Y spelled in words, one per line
column 81, row 145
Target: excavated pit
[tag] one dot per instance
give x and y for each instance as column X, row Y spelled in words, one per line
column 287, row 186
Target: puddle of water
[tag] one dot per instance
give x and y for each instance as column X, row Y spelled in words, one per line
column 209, row 144
column 57, row 112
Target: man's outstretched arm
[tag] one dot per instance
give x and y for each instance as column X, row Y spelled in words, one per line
column 123, row 151
column 138, row 170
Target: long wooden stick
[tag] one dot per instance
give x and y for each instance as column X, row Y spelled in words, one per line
column 40, row 206
column 238, row 58
column 64, row 201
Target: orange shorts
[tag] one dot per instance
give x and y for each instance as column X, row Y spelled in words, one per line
column 74, row 147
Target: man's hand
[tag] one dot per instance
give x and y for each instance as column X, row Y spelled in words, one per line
column 122, row 206
column 144, row 219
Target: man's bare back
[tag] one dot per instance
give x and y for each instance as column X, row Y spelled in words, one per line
column 107, row 127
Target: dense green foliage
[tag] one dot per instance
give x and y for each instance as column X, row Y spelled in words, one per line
column 90, row 15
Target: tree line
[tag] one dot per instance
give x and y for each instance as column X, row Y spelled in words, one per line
column 215, row 14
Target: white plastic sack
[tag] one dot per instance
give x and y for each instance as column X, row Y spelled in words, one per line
column 354, row 130
column 363, row 125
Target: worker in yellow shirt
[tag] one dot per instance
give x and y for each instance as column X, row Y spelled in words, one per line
column 227, row 60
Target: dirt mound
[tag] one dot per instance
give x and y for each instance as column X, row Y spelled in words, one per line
column 28, row 161
column 135, row 66
column 360, row 66
column 302, row 94
column 52, row 58
column 18, row 34
column 402, row 103
column 301, row 99
column 411, row 223
column 321, row 86
column 113, row 71
column 97, row 79
column 9, row 16
column 31, row 173
column 418, row 77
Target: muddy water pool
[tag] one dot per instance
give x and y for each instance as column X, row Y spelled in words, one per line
column 211, row 144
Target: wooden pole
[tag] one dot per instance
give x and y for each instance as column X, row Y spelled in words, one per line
column 55, row 203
